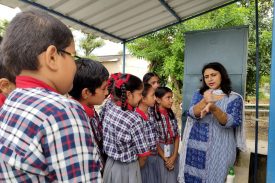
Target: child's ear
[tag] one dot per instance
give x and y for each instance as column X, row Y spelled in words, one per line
column 85, row 93
column 51, row 56
column 4, row 86
column 128, row 94
column 158, row 100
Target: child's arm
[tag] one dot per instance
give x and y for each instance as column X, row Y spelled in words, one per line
column 161, row 153
column 171, row 160
column 142, row 160
column 139, row 141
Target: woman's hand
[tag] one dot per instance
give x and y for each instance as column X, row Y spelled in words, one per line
column 206, row 109
column 209, row 96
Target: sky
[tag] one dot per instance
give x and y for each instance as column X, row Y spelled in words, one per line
column 110, row 48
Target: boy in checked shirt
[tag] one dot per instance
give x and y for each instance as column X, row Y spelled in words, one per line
column 44, row 137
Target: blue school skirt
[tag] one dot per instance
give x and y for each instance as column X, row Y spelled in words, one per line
column 165, row 175
column 119, row 172
column 150, row 171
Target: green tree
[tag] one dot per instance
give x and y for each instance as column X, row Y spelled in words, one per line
column 165, row 49
column 3, row 25
column 89, row 43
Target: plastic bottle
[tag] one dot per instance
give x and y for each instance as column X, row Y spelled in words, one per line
column 231, row 176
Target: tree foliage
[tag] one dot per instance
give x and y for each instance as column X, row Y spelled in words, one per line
column 165, row 49
column 89, row 43
column 3, row 25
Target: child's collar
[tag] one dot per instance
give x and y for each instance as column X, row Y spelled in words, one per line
column 30, row 82
column 142, row 114
column 90, row 110
column 163, row 111
column 129, row 107
column 2, row 99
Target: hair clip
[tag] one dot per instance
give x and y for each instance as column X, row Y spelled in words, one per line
column 120, row 82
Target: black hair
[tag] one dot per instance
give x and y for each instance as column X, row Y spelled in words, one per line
column 148, row 76
column 90, row 74
column 159, row 93
column 111, row 82
column 4, row 72
column 28, row 35
column 133, row 83
column 225, row 80
column 146, row 88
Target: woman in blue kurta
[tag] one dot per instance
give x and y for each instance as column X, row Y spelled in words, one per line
column 214, row 129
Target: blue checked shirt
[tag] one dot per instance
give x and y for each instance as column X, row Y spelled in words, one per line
column 45, row 137
column 123, row 135
column 97, row 126
column 108, row 105
column 150, row 130
column 166, row 134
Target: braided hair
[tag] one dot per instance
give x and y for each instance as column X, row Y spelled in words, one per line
column 126, row 82
column 111, row 82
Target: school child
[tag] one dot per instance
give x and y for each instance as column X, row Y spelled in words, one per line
column 44, row 137
column 152, row 79
column 168, row 136
column 109, row 97
column 90, row 88
column 123, row 136
column 149, row 173
column 7, row 82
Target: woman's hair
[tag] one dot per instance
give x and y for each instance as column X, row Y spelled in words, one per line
column 148, row 76
column 225, row 80
column 146, row 88
column 126, row 82
column 28, row 35
column 90, row 74
column 159, row 93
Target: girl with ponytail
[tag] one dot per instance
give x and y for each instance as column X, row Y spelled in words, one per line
column 109, row 97
column 123, row 136
column 168, row 136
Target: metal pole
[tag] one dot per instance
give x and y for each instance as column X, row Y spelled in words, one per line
column 271, row 131
column 257, row 91
column 124, row 55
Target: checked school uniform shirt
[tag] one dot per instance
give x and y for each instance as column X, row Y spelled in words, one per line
column 167, row 128
column 150, row 130
column 95, row 122
column 45, row 137
column 97, row 128
column 108, row 105
column 123, row 135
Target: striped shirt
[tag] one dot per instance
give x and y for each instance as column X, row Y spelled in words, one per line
column 45, row 137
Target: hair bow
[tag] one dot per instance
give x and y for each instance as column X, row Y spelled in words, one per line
column 121, row 81
column 113, row 78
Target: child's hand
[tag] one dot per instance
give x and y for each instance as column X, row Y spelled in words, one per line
column 171, row 161
column 170, row 168
column 165, row 164
column 165, row 159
